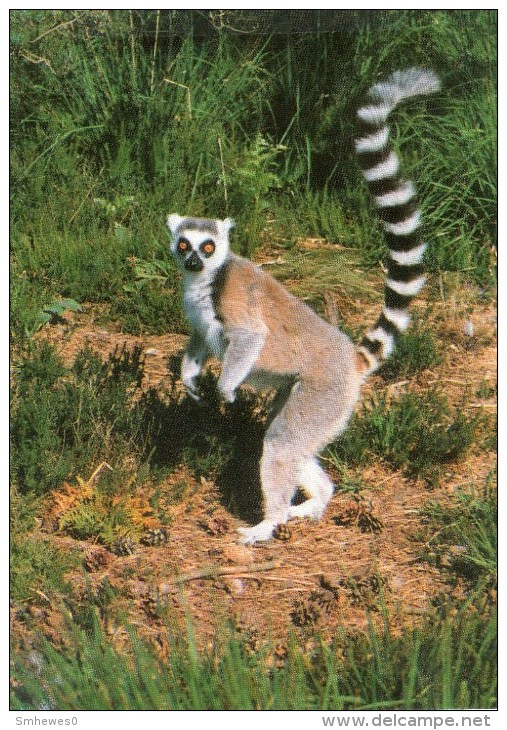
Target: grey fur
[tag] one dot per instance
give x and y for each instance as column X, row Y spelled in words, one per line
column 205, row 225
column 243, row 349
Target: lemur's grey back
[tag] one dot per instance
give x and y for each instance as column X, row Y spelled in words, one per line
column 396, row 205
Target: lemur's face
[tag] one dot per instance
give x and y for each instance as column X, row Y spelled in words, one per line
column 199, row 244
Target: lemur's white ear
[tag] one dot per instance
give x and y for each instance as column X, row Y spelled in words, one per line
column 226, row 226
column 173, row 222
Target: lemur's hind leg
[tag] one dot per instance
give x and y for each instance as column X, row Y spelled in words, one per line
column 311, row 417
column 319, row 487
column 278, row 471
column 313, row 479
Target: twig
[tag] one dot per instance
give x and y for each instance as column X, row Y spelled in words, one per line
column 438, row 533
column 189, row 97
column 76, row 212
column 31, row 58
column 41, row 594
column 386, row 479
column 56, row 27
column 157, row 27
column 223, row 172
column 441, row 286
column 453, row 381
column 103, row 465
column 132, row 40
column 214, row 571
column 217, row 19
column 416, row 611
column 392, row 386
column 284, row 579
column 291, row 590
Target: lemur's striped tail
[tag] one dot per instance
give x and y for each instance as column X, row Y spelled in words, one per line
column 397, row 207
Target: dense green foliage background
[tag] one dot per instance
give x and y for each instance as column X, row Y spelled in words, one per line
column 120, row 117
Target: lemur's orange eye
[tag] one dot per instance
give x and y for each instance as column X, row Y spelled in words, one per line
column 183, row 245
column 208, row 248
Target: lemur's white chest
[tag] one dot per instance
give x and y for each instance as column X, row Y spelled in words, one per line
column 200, row 312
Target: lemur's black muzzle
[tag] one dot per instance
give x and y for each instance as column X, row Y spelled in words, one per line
column 194, row 263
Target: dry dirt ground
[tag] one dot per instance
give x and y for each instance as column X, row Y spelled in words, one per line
column 320, row 575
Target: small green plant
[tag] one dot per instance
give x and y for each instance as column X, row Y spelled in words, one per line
column 54, row 312
column 415, row 351
column 462, row 538
column 416, row 433
column 151, row 300
column 486, row 390
column 349, row 483
column 92, row 511
column 146, row 271
column 249, row 186
column 37, row 568
column 117, row 210
column 64, row 419
column 154, row 308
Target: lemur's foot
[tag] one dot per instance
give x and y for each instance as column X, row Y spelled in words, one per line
column 312, row 508
column 258, row 533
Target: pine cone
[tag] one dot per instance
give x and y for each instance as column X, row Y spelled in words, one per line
column 325, row 599
column 282, row 532
column 304, row 614
column 365, row 590
column 328, row 585
column 123, row 546
column 367, row 522
column 215, row 526
column 151, row 604
column 348, row 515
column 280, row 655
column 96, row 558
column 358, row 512
column 155, row 537
column 253, row 642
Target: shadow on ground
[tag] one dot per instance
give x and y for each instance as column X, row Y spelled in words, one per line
column 219, row 442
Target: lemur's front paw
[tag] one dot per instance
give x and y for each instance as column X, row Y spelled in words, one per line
column 228, row 395
column 192, row 389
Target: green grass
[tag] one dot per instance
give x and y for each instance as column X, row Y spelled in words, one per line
column 37, row 568
column 63, row 420
column 446, row 663
column 416, row 350
column 462, row 538
column 311, row 274
column 419, row 434
column 150, row 300
column 67, row 420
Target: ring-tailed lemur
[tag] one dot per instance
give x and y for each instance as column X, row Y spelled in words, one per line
column 269, row 339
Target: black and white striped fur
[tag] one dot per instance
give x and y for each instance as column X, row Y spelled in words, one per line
column 395, row 199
